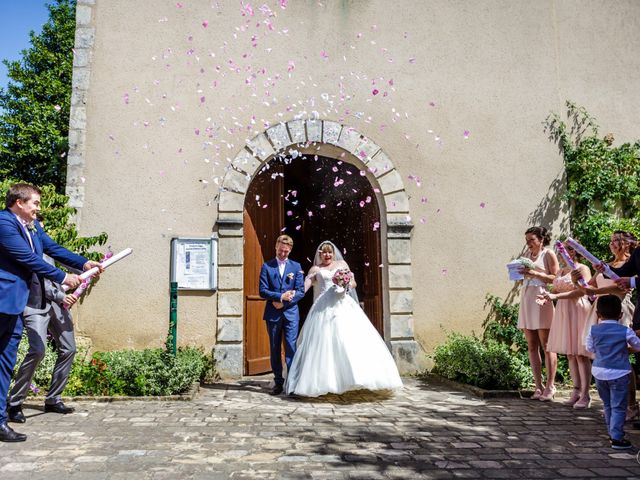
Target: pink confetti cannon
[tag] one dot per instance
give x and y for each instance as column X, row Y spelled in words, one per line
column 569, row 261
column 86, row 276
column 592, row 258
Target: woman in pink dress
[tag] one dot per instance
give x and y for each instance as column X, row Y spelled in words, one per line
column 565, row 336
column 535, row 320
column 622, row 245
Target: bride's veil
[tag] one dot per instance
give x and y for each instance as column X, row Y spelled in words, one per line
column 317, row 260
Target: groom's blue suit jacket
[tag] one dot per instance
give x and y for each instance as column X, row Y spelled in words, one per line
column 18, row 262
column 272, row 286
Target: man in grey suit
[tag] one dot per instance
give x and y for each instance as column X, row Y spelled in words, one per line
column 44, row 311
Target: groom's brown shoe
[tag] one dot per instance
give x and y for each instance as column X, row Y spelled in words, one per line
column 277, row 390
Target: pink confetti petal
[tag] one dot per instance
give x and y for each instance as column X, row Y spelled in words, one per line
column 324, row 55
column 205, row 23
column 57, row 108
column 466, row 134
column 375, row 91
column 482, row 205
column 178, row 5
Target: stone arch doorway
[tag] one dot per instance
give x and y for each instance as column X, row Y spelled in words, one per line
column 311, row 198
column 332, row 140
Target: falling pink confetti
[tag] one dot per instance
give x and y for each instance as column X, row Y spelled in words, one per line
column 283, row 4
column 466, row 134
column 57, row 108
column 376, row 226
column 289, row 213
column 375, row 91
column 423, row 199
column 178, row 5
column 444, row 271
column 432, row 104
column 246, row 10
column 291, row 66
column 322, row 205
column 161, row 173
column 324, row 55
column 126, row 98
column 202, row 99
column 423, row 220
column 361, row 204
column 294, row 193
column 298, row 227
column 482, row 204
column 412, row 60
column 391, row 82
column 205, row 23
column 197, row 131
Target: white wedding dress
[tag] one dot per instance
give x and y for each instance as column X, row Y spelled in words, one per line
column 338, row 347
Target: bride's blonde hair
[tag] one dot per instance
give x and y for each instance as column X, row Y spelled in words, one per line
column 326, row 247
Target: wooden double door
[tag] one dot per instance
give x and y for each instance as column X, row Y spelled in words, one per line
column 311, row 200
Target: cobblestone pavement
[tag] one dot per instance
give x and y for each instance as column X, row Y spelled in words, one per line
column 236, row 430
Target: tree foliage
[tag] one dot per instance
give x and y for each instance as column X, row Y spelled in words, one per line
column 603, row 181
column 34, row 120
column 57, row 221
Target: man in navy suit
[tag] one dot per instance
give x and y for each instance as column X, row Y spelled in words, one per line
column 282, row 285
column 22, row 243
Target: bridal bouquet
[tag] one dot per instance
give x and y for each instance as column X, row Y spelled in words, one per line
column 515, row 268
column 342, row 278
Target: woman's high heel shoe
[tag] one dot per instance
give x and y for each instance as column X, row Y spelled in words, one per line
column 537, row 394
column 548, row 394
column 583, row 403
column 575, row 396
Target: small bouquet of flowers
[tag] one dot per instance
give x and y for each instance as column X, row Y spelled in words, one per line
column 515, row 266
column 342, row 278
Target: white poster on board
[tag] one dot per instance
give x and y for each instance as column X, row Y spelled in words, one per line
column 192, row 263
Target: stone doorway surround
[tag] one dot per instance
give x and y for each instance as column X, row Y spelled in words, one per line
column 329, row 139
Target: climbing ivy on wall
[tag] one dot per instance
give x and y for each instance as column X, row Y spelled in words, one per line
column 603, row 180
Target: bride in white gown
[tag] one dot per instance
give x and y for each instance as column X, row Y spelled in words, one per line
column 338, row 347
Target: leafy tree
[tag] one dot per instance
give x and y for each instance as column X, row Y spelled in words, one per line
column 34, row 123
column 57, row 221
column 603, row 181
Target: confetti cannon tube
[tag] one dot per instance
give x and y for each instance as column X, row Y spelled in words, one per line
column 592, row 258
column 107, row 263
column 568, row 260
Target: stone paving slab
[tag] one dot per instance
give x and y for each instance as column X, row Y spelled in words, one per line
column 236, row 430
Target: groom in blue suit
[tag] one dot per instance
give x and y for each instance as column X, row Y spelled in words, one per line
column 22, row 243
column 282, row 285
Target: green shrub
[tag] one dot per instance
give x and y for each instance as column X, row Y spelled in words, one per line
column 501, row 325
column 485, row 364
column 126, row 372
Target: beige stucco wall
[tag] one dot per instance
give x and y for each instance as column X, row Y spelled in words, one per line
column 493, row 68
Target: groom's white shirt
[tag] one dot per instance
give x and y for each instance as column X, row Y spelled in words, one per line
column 281, row 266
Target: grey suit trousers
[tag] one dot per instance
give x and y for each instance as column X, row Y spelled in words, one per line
column 58, row 322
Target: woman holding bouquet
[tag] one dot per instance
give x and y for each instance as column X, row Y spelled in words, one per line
column 534, row 319
column 338, row 347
